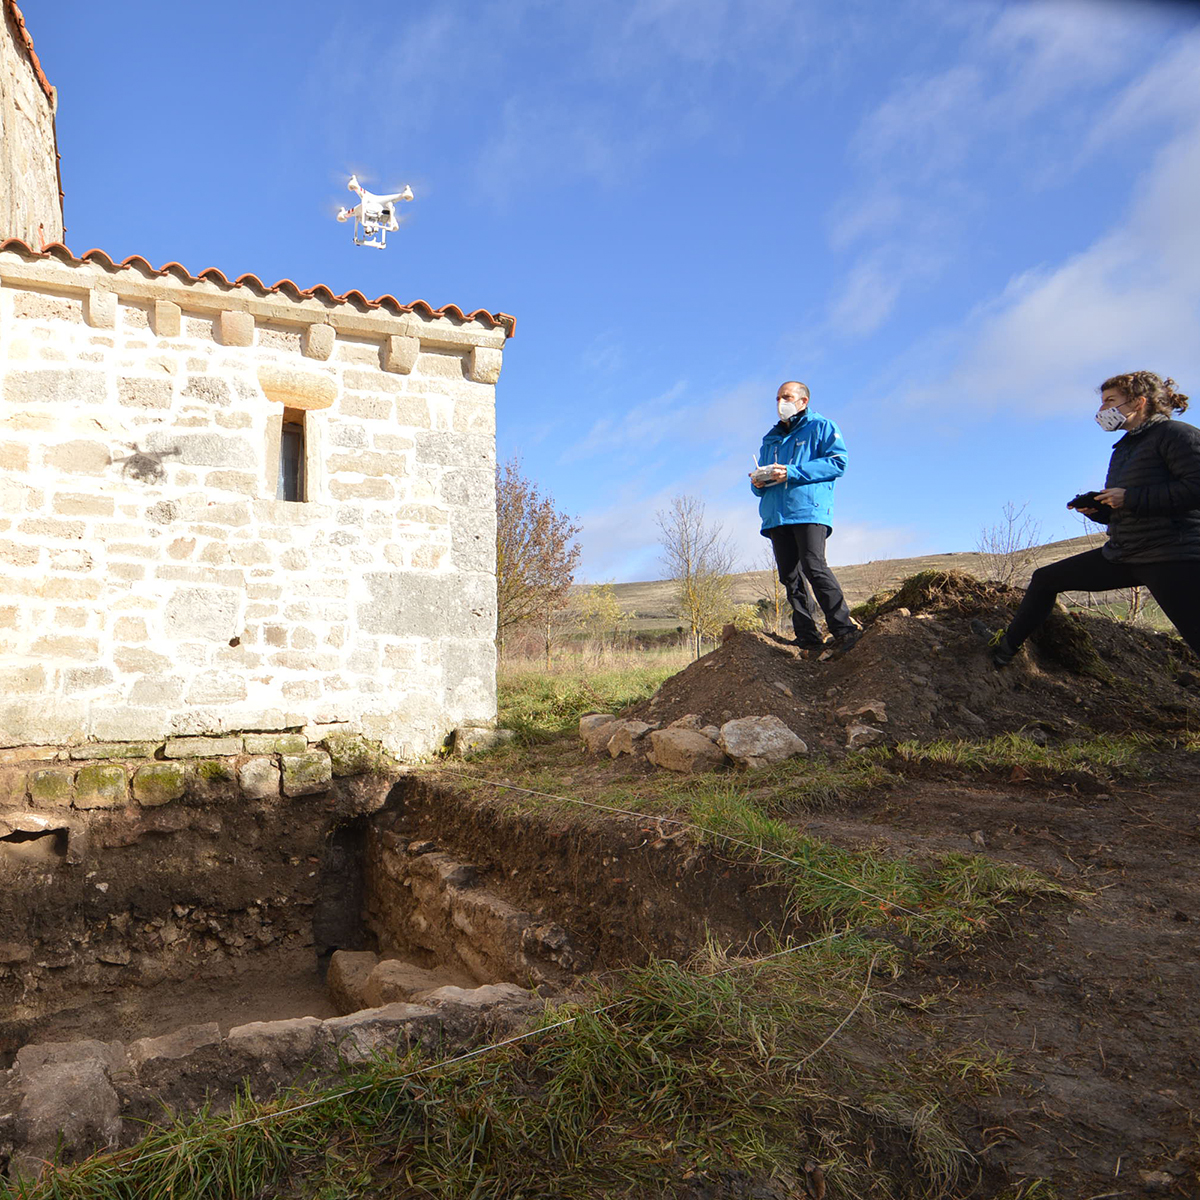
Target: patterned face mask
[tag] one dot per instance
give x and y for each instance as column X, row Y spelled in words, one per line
column 1110, row 419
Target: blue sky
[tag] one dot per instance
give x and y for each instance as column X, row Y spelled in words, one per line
column 951, row 218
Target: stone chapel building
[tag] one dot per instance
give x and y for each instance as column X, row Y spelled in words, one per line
column 229, row 508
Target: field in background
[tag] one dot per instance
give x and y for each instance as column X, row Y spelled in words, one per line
column 654, row 603
column 650, row 639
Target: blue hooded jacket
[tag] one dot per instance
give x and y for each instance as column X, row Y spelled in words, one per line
column 811, row 447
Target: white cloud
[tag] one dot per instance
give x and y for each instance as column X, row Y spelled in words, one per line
column 1025, row 90
column 1130, row 301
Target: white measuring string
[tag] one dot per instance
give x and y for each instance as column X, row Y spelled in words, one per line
column 466, row 1056
column 694, row 828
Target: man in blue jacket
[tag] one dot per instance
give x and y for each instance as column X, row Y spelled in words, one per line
column 800, row 458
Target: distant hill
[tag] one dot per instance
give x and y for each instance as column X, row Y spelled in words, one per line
column 654, row 600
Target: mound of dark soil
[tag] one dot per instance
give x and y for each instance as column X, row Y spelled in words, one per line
column 1081, row 674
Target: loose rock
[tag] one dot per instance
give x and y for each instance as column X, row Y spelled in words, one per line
column 759, row 741
column 685, row 751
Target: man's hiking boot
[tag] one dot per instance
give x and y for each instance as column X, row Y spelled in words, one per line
column 809, row 649
column 1001, row 652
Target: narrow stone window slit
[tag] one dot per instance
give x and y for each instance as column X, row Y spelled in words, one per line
column 293, row 485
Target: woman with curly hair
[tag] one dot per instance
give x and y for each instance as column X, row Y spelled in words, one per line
column 1151, row 505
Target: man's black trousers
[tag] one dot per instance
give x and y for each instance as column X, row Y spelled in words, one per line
column 800, row 557
column 1175, row 585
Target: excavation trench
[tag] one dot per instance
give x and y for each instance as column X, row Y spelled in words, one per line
column 181, row 949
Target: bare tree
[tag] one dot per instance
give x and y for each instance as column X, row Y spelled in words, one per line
column 536, row 554
column 698, row 557
column 599, row 615
column 1009, row 548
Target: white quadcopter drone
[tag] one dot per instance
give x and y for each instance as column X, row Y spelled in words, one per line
column 374, row 216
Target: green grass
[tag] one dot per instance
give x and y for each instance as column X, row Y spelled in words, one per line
column 1107, row 756
column 695, row 1072
column 540, row 706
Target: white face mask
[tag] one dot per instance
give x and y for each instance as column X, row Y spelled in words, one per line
column 1111, row 419
column 787, row 410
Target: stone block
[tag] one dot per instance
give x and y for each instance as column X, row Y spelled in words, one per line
column 65, row 647
column 68, row 1111
column 17, row 554
column 259, row 778
column 65, row 388
column 317, row 341
column 235, row 329
column 100, row 786
column 166, row 319
column 87, row 679
column 346, row 979
column 684, row 751
column 276, row 743
column 759, row 741
column 368, row 462
column 209, row 390
column 106, row 750
column 480, row 999
column 159, row 783
column 128, row 724
column 363, row 489
column 362, row 1036
column 202, row 449
column 373, row 408
column 295, row 388
column 14, row 456
column 203, row 747
column 413, row 412
column 400, row 354
column 395, row 981
column 293, row 1040
column 145, row 393
column 27, row 681
column 100, row 309
column 179, row 1043
column 233, row 481
column 78, row 457
column 217, row 687
column 36, row 1055
column 595, row 729
column 307, row 774
column 483, row 365
column 478, row 739
column 440, row 366
column 74, row 504
column 51, row 786
column 213, row 780
column 350, row 754
column 627, row 737
column 470, row 488
column 414, row 605
column 207, row 614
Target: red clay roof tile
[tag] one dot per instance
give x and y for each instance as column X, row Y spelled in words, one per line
column 60, row 252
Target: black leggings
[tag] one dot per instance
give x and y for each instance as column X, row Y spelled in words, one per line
column 1175, row 585
column 800, row 556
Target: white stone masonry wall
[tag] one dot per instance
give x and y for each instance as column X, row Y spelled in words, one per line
column 30, row 207
column 151, row 584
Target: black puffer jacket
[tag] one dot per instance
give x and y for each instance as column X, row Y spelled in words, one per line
column 1158, row 465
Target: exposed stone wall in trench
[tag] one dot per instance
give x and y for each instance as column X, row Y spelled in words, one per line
column 151, row 583
column 158, row 861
